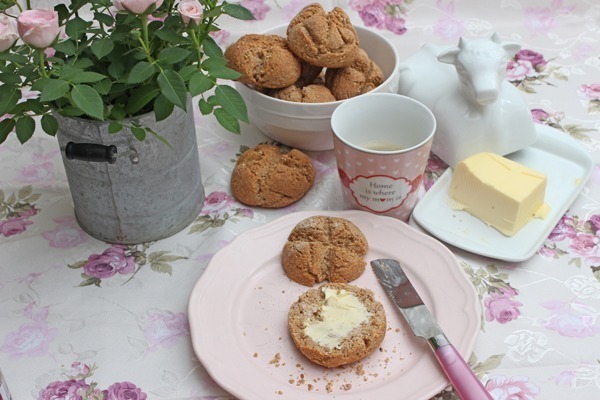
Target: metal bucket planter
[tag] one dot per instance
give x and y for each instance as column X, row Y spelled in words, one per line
column 129, row 192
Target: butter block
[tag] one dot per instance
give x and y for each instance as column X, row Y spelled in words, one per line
column 502, row 193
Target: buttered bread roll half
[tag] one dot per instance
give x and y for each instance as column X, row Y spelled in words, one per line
column 337, row 324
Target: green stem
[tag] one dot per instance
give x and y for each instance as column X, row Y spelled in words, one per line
column 41, row 57
column 28, row 4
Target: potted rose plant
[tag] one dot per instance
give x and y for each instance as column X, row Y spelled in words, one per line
column 112, row 78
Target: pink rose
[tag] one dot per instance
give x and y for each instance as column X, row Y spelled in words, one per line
column 31, row 339
column 124, row 391
column 513, row 388
column 37, row 173
column 64, row 390
column 107, row 264
column 563, row 230
column 13, row 226
column 500, row 306
column 258, row 8
column 164, row 328
column 136, row 6
column 448, row 27
column 539, row 115
column 38, row 28
column 595, row 221
column 536, row 59
column 66, row 235
column 539, row 19
column 79, row 371
column 8, row 33
column 572, row 319
column 585, row 245
column 373, row 15
column 519, row 70
column 190, row 10
column 547, row 252
column 216, row 202
column 395, row 25
column 591, row 92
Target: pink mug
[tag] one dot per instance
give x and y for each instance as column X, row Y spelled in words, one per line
column 382, row 143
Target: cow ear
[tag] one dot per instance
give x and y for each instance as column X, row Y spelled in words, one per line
column 448, row 56
column 511, row 48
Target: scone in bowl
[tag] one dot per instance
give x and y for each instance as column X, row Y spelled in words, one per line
column 307, row 126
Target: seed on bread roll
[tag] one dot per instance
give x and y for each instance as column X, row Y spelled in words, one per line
column 337, row 324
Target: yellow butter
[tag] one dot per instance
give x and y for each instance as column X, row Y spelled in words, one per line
column 502, row 193
column 341, row 313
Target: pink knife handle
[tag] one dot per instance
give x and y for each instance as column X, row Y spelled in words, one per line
column 464, row 381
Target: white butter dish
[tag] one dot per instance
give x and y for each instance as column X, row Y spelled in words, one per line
column 567, row 165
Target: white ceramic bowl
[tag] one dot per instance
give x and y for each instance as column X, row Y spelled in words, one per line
column 307, row 126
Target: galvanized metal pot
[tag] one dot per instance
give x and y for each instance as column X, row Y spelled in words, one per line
column 129, row 192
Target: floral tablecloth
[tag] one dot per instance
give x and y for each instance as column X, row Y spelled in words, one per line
column 80, row 318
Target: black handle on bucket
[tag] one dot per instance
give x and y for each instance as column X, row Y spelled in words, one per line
column 91, row 152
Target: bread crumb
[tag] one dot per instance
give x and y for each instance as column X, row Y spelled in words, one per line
column 255, row 355
column 329, row 386
column 360, row 370
column 310, row 387
column 346, row 386
column 291, row 381
column 276, row 359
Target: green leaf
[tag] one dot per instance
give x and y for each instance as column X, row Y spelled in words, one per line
column 118, row 112
column 114, row 127
column 69, row 72
column 237, row 11
column 6, row 127
column 88, row 100
column 211, row 48
column 49, row 124
column 200, row 83
column 102, row 47
column 213, row 62
column 224, row 73
column 162, row 267
column 11, row 79
column 139, row 133
column 162, row 108
column 25, row 127
column 87, row 77
column 140, row 72
column 103, row 87
column 140, row 97
column 205, row 107
column 173, row 87
column 168, row 35
column 14, row 58
column 116, row 69
column 172, row 55
column 105, row 19
column 54, row 89
column 66, row 47
column 76, row 27
column 9, row 100
column 232, row 102
column 227, row 121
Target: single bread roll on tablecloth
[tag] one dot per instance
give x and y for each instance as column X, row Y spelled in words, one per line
column 337, row 324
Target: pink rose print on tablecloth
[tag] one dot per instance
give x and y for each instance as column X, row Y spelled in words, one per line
column 76, row 387
column 31, row 339
column 512, row 388
column 572, row 319
column 112, row 261
column 591, row 93
column 554, row 120
column 501, row 307
column 543, row 20
column 448, row 27
column 529, row 68
column 41, row 169
column 435, row 168
column 126, row 261
column 67, row 390
column 258, row 8
column 387, row 15
column 163, row 328
column 124, row 391
column 15, row 211
column 218, row 208
column 67, row 234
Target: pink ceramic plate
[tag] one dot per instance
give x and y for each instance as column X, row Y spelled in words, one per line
column 238, row 317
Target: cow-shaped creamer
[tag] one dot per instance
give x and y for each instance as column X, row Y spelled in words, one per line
column 476, row 108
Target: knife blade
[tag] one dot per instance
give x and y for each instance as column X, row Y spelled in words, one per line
column 399, row 288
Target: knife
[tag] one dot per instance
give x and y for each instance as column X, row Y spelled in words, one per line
column 399, row 288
